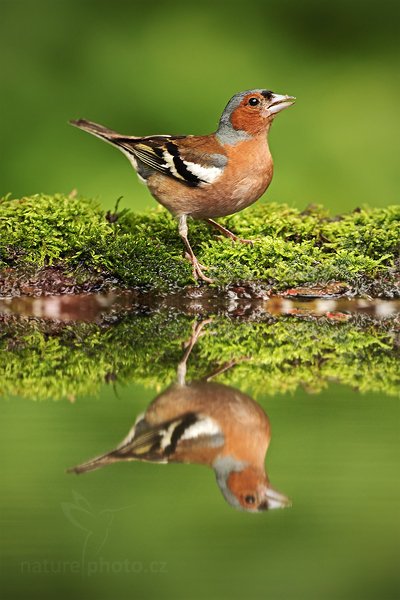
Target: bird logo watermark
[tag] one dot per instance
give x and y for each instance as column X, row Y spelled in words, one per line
column 95, row 525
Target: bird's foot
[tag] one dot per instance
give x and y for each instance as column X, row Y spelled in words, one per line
column 243, row 240
column 228, row 233
column 236, row 238
column 190, row 259
column 197, row 332
column 198, row 269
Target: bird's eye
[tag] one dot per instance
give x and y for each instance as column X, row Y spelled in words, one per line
column 250, row 499
column 254, row 101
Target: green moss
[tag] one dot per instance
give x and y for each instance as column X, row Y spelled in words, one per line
column 41, row 360
column 290, row 249
column 73, row 233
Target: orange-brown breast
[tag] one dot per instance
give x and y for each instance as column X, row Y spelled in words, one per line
column 244, row 425
column 245, row 178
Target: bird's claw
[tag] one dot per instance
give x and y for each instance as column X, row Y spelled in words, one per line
column 198, row 269
column 198, row 274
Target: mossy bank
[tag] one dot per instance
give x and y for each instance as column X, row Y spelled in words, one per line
column 44, row 359
column 62, row 244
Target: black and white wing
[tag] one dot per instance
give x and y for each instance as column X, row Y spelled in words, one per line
column 172, row 157
column 193, row 161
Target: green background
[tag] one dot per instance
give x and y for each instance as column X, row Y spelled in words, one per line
column 170, row 67
column 335, row 455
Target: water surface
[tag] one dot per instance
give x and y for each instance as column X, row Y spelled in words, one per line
column 75, row 376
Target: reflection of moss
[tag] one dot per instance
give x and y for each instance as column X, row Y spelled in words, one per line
column 54, row 361
column 291, row 248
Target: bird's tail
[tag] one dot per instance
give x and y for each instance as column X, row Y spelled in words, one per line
column 101, row 132
column 95, row 463
column 96, row 129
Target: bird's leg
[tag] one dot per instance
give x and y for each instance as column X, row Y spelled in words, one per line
column 228, row 233
column 183, row 232
column 196, row 333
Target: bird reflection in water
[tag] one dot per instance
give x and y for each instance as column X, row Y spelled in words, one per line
column 205, row 423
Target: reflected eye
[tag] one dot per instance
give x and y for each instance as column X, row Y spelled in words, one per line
column 254, row 101
column 250, row 499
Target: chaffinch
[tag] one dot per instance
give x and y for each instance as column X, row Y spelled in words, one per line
column 210, row 176
column 209, row 424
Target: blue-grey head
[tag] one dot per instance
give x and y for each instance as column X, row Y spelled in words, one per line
column 250, row 113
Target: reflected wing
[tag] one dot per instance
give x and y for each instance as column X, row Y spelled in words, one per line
column 144, row 442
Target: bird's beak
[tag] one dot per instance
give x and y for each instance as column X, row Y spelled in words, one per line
column 274, row 499
column 278, row 103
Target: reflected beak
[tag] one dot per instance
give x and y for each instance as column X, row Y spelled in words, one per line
column 274, row 499
column 278, row 103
